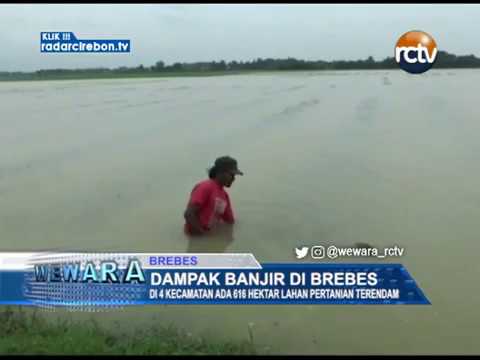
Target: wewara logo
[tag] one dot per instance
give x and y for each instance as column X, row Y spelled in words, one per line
column 416, row 52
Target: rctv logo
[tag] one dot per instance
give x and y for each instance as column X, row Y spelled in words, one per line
column 416, row 52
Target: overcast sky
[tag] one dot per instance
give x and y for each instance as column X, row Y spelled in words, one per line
column 200, row 32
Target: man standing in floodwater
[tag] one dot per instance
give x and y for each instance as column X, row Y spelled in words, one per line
column 209, row 203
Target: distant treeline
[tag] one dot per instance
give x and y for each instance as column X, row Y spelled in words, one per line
column 444, row 60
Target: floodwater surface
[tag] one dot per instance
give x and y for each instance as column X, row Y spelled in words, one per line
column 377, row 157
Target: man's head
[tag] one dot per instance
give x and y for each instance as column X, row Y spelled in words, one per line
column 224, row 170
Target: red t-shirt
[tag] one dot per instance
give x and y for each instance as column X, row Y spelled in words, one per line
column 214, row 204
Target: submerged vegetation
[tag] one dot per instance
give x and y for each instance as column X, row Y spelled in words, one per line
column 444, row 60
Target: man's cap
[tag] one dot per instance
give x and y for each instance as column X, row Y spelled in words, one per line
column 227, row 163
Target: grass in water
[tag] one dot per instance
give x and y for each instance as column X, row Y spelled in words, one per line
column 31, row 334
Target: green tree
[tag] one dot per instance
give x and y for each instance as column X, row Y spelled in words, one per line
column 159, row 66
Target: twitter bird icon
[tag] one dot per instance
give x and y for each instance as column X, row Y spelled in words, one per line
column 302, row 252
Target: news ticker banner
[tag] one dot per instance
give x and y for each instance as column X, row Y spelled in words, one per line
column 86, row 281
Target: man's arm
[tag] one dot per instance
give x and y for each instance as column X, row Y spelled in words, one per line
column 198, row 199
column 192, row 218
column 228, row 214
